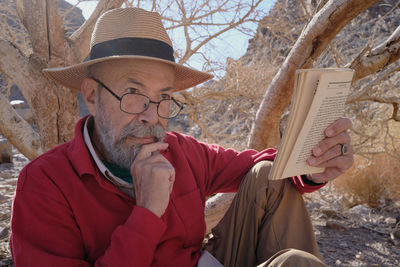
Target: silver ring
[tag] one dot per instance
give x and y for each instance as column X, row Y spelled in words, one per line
column 344, row 149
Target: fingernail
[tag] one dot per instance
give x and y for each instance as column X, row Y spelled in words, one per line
column 317, row 151
column 329, row 132
column 312, row 160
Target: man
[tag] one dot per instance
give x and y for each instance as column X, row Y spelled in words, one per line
column 125, row 193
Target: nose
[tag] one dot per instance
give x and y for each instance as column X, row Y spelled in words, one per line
column 150, row 115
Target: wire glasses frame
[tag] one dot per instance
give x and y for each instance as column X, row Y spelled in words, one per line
column 136, row 103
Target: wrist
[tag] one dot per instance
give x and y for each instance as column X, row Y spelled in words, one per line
column 308, row 180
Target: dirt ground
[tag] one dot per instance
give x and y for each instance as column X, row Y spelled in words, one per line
column 357, row 237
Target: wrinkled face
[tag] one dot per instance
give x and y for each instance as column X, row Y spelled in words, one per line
column 118, row 136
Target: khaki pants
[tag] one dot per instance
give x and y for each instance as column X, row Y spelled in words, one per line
column 267, row 224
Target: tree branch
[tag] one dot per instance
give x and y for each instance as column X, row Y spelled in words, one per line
column 16, row 66
column 379, row 58
column 80, row 39
column 55, row 33
column 216, row 206
column 33, row 85
column 33, row 15
column 356, row 96
column 319, row 32
column 18, row 131
column 189, row 52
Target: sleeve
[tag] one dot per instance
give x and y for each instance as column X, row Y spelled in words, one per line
column 225, row 168
column 45, row 233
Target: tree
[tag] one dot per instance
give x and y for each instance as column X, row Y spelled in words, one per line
column 55, row 107
column 316, row 36
column 221, row 111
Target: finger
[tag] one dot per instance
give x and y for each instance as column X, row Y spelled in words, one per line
column 338, row 126
column 155, row 157
column 148, row 149
column 330, row 142
column 343, row 162
column 334, row 152
column 163, row 169
column 326, row 176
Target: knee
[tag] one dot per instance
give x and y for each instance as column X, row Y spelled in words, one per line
column 256, row 179
column 261, row 170
column 294, row 257
column 258, row 175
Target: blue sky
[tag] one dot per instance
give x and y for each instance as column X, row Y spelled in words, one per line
column 231, row 44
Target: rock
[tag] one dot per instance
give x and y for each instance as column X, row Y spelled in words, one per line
column 395, row 234
column 6, row 174
column 343, row 244
column 313, row 205
column 5, row 152
column 336, row 225
column 5, row 217
column 360, row 256
column 330, row 213
column 390, row 220
column 359, row 213
column 18, row 104
column 338, row 262
column 360, row 209
column 3, row 199
column 3, row 232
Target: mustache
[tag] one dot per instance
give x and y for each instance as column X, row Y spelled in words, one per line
column 138, row 129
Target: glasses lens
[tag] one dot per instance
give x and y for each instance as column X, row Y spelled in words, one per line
column 168, row 108
column 137, row 103
column 134, row 103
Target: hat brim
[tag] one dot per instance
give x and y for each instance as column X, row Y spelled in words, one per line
column 72, row 76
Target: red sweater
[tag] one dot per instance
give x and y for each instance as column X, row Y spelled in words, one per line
column 65, row 213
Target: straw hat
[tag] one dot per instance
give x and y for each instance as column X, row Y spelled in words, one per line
column 128, row 33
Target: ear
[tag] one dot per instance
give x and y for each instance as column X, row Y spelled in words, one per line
column 89, row 92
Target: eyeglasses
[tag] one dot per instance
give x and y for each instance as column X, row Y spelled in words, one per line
column 135, row 103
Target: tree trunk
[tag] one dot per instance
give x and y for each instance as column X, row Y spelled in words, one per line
column 316, row 36
column 54, row 107
column 18, row 131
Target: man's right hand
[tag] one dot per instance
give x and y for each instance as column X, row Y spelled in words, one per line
column 153, row 177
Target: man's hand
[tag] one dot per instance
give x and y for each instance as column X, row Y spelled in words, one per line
column 154, row 178
column 328, row 153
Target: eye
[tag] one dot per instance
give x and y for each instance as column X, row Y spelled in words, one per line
column 132, row 90
column 165, row 96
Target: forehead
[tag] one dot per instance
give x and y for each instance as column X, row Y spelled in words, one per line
column 147, row 72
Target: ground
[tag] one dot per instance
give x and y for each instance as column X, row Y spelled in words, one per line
column 359, row 236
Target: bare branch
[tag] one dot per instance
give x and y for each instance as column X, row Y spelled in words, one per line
column 33, row 14
column 81, row 38
column 189, row 51
column 379, row 58
column 304, row 8
column 216, row 206
column 356, row 96
column 18, row 131
column 323, row 27
column 55, row 32
column 15, row 65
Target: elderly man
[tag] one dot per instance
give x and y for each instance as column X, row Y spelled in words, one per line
column 125, row 193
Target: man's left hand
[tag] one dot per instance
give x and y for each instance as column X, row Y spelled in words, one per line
column 329, row 152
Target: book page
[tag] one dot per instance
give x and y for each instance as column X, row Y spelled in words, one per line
column 306, row 82
column 327, row 106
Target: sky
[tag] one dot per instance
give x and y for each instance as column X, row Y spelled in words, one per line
column 232, row 44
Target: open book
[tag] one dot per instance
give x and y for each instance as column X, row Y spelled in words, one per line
column 318, row 100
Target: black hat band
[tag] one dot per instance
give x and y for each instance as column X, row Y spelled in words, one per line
column 132, row 47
